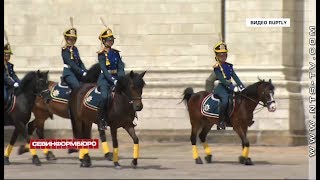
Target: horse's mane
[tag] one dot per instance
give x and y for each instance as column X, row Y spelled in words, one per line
column 92, row 74
column 26, row 82
column 252, row 89
column 123, row 81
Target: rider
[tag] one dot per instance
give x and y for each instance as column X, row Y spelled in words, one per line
column 224, row 72
column 11, row 80
column 111, row 68
column 74, row 68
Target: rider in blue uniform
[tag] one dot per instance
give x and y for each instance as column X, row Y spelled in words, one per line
column 224, row 72
column 11, row 80
column 74, row 68
column 111, row 68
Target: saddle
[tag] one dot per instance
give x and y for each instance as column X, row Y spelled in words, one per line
column 93, row 97
column 60, row 92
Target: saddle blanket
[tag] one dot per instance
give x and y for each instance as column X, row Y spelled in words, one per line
column 60, row 93
column 10, row 104
column 210, row 106
column 92, row 99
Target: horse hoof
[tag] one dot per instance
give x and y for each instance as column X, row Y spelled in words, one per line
column 117, row 165
column 108, row 156
column 22, row 149
column 72, row 151
column 36, row 161
column 208, row 158
column 86, row 161
column 6, row 160
column 134, row 163
column 198, row 161
column 245, row 161
column 50, row 156
column 248, row 162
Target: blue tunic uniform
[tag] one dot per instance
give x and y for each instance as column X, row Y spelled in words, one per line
column 224, row 73
column 73, row 66
column 111, row 68
column 10, row 78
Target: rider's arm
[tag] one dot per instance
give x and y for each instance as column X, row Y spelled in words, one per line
column 66, row 56
column 14, row 76
column 236, row 79
column 102, row 62
column 82, row 66
column 120, row 70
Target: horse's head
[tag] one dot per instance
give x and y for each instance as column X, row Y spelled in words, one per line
column 131, row 85
column 265, row 91
column 41, row 85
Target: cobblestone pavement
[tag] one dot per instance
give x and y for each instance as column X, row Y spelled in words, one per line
column 167, row 161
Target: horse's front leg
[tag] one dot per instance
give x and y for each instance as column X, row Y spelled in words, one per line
column 244, row 158
column 115, row 147
column 135, row 139
column 105, row 147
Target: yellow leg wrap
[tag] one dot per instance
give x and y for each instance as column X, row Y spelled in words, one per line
column 245, row 152
column 33, row 152
column 27, row 146
column 105, row 147
column 85, row 151
column 45, row 151
column 195, row 153
column 136, row 151
column 8, row 150
column 81, row 154
column 115, row 154
column 207, row 149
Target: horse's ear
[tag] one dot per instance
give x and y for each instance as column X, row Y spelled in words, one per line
column 38, row 73
column 131, row 74
column 142, row 74
column 270, row 81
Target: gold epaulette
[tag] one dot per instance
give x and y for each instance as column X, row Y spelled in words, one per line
column 216, row 65
column 64, row 47
column 100, row 51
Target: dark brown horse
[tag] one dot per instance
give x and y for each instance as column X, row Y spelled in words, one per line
column 241, row 118
column 43, row 111
column 121, row 113
column 32, row 85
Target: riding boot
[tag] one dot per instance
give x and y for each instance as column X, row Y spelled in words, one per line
column 102, row 122
column 222, row 117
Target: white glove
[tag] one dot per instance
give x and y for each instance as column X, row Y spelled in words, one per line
column 235, row 89
column 115, row 82
column 84, row 74
column 16, row 85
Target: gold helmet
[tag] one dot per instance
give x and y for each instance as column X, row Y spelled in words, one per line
column 7, row 48
column 106, row 33
column 220, row 47
column 71, row 32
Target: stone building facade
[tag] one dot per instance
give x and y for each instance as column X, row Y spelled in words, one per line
column 173, row 40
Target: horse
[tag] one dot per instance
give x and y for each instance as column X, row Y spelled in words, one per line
column 42, row 111
column 241, row 118
column 34, row 84
column 122, row 110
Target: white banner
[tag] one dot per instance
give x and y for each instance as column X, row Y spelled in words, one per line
column 268, row 22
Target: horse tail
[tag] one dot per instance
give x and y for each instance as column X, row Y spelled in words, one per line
column 188, row 92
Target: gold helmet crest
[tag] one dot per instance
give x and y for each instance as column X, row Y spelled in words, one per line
column 106, row 33
column 71, row 32
column 7, row 48
column 220, row 47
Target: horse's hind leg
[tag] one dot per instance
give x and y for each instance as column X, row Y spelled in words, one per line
column 203, row 134
column 107, row 154
column 10, row 146
column 244, row 158
column 135, row 139
column 40, row 132
column 193, row 139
